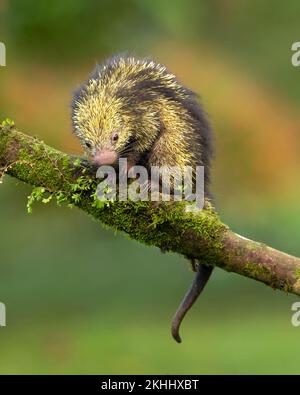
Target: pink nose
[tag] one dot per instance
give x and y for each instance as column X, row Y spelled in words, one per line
column 105, row 157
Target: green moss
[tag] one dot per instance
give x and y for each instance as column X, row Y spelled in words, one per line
column 167, row 226
column 265, row 274
column 287, row 287
column 297, row 273
column 4, row 139
column 255, row 270
column 73, row 192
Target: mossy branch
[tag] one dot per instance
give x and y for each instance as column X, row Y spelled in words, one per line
column 167, row 225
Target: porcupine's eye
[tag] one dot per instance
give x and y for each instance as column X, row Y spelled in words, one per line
column 88, row 144
column 115, row 137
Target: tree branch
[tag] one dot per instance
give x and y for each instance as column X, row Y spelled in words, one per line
column 166, row 225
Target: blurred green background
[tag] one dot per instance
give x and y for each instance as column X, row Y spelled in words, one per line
column 81, row 299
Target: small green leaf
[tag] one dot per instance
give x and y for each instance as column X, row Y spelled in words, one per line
column 77, row 162
column 8, row 122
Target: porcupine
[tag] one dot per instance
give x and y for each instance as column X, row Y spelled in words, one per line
column 136, row 109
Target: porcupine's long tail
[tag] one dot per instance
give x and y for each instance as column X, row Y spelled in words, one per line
column 202, row 275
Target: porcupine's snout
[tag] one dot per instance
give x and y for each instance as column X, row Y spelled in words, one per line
column 105, row 157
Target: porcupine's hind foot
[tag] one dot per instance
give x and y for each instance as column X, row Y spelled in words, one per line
column 202, row 275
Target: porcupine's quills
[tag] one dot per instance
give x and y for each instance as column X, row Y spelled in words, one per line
column 136, row 109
